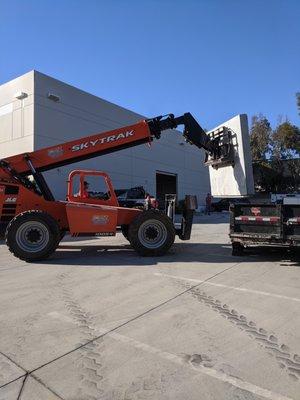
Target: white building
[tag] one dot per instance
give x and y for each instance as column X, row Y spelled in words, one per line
column 38, row 111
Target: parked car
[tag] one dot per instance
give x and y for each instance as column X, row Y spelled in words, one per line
column 223, row 204
column 133, row 197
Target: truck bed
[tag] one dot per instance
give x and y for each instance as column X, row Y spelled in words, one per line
column 264, row 225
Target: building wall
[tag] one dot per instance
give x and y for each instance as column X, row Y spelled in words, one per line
column 16, row 116
column 80, row 114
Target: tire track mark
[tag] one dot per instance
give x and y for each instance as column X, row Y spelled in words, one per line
column 89, row 360
column 26, row 330
column 286, row 360
column 142, row 387
column 90, row 365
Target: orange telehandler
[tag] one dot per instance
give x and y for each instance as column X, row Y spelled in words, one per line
column 34, row 222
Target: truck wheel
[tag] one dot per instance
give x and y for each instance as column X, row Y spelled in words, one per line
column 151, row 233
column 124, row 230
column 237, row 249
column 32, row 235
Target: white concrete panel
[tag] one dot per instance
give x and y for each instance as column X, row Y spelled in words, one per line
column 20, row 145
column 8, row 90
column 28, row 120
column 17, row 123
column 237, row 180
column 5, row 127
column 6, row 109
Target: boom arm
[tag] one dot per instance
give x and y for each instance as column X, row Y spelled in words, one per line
column 19, row 166
column 219, row 148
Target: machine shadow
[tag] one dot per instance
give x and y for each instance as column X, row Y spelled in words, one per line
column 214, row 218
column 184, row 252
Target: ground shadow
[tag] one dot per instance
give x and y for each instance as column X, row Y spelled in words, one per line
column 185, row 252
column 214, row 218
column 71, row 253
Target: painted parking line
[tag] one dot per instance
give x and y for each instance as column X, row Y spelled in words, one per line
column 221, row 376
column 240, row 289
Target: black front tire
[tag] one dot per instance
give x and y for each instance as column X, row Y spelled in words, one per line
column 151, row 233
column 32, row 235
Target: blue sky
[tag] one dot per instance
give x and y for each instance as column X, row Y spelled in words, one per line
column 214, row 58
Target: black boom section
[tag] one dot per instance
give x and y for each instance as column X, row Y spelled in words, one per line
column 40, row 180
column 219, row 149
column 193, row 132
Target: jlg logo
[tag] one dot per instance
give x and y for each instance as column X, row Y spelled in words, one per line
column 107, row 139
column 11, row 200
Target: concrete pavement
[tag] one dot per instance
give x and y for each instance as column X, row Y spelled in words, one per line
column 98, row 322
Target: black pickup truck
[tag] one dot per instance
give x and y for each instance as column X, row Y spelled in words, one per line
column 267, row 224
column 133, row 197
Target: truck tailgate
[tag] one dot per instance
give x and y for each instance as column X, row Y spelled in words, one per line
column 256, row 220
column 265, row 223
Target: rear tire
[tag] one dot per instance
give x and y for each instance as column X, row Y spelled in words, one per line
column 151, row 233
column 32, row 235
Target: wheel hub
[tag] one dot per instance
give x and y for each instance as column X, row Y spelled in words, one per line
column 152, row 234
column 34, row 235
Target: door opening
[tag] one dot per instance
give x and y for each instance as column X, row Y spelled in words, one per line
column 166, row 183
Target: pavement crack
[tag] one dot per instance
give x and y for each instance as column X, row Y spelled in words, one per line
column 25, row 375
column 22, row 386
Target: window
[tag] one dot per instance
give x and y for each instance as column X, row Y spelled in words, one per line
column 96, row 187
column 76, row 185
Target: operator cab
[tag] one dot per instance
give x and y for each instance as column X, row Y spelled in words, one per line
column 91, row 187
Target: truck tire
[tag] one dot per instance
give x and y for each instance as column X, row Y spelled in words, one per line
column 237, row 249
column 32, row 235
column 124, row 230
column 151, row 233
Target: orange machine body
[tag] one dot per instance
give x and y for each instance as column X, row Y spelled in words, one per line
column 95, row 215
column 78, row 215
